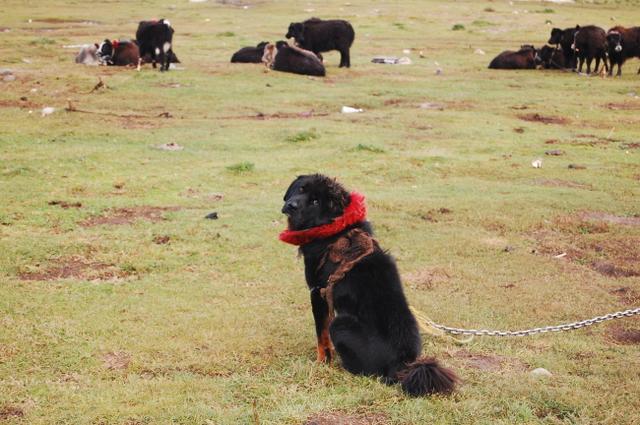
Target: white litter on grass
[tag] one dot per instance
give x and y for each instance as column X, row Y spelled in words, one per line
column 479, row 52
column 74, row 46
column 25, row 60
column 536, row 163
column 197, row 1
column 406, row 51
column 350, row 110
column 564, row 254
column 392, row 60
column 48, row 111
column 176, row 67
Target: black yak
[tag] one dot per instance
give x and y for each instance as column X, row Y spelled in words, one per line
column 155, row 39
column 623, row 43
column 590, row 42
column 249, row 54
column 550, row 58
column 286, row 58
column 522, row 59
column 565, row 38
column 319, row 36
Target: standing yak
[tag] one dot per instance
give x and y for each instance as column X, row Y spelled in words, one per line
column 590, row 42
column 623, row 43
column 155, row 39
column 565, row 38
column 319, row 36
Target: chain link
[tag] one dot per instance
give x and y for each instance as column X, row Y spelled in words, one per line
column 533, row 331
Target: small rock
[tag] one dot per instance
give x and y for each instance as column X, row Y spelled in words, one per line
column 212, row 216
column 421, row 54
column 438, row 71
column 508, row 248
column 536, row 163
column 541, row 373
column 161, row 239
column 554, row 152
column 479, row 52
column 48, row 111
column 406, row 51
column 24, row 98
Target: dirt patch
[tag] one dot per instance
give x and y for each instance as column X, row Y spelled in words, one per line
column 427, row 279
column 65, row 205
column 161, row 239
column 116, row 360
column 544, row 119
column 623, row 336
column 8, row 412
column 118, row 216
column 489, row 363
column 339, row 418
column 609, row 218
column 625, row 106
column 608, row 250
column 561, row 183
column 19, row 103
column 627, row 146
column 626, row 295
column 435, row 215
column 141, row 124
column 75, row 268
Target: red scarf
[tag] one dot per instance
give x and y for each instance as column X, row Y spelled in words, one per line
column 355, row 212
column 114, row 45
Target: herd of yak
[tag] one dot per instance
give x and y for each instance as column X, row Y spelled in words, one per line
column 574, row 47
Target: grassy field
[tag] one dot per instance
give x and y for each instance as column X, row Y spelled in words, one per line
column 121, row 304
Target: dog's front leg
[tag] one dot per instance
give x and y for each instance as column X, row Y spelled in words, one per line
column 321, row 318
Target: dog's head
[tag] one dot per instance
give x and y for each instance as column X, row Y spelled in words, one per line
column 313, row 200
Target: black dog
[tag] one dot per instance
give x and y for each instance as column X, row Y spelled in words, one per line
column 348, row 274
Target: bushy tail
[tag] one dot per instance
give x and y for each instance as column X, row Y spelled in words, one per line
column 425, row 376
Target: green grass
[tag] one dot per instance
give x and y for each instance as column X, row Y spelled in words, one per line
column 171, row 318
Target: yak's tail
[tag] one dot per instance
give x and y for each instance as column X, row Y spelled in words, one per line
column 425, row 376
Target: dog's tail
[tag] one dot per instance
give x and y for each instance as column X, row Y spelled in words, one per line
column 425, row 376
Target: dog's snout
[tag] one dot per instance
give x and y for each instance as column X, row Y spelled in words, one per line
column 289, row 207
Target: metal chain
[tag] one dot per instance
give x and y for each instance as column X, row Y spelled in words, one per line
column 533, row 331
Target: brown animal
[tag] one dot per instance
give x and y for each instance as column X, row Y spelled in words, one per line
column 590, row 42
column 522, row 59
column 565, row 39
column 623, row 43
column 119, row 53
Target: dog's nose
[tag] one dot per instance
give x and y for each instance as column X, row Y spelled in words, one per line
column 289, row 207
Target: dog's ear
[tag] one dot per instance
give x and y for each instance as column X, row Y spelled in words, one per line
column 337, row 196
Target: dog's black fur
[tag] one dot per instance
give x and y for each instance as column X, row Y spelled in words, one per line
column 374, row 331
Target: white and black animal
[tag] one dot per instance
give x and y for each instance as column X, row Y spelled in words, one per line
column 623, row 44
column 88, row 55
column 119, row 53
column 155, row 39
column 319, row 36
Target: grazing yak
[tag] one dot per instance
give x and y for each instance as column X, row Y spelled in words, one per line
column 286, row 58
column 565, row 38
column 550, row 58
column 623, row 43
column 522, row 59
column 155, row 39
column 119, row 53
column 249, row 54
column 319, row 36
column 590, row 42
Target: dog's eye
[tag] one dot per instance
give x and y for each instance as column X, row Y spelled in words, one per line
column 315, row 202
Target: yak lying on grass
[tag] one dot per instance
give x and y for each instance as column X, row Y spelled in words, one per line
column 550, row 58
column 319, row 36
column 286, row 58
column 357, row 299
column 565, row 39
column 522, row 59
column 623, row 43
column 88, row 55
column 119, row 53
column 590, row 42
column 249, row 54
